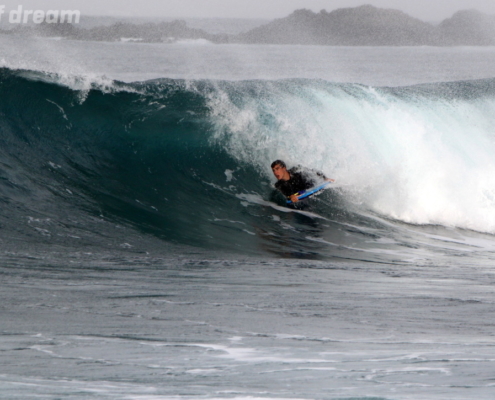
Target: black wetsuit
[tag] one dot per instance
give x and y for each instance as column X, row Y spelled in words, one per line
column 299, row 180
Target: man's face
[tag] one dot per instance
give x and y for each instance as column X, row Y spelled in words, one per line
column 279, row 171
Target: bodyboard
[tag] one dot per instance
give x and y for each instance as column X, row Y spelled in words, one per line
column 309, row 192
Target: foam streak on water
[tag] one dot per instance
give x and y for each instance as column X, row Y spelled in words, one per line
column 102, row 328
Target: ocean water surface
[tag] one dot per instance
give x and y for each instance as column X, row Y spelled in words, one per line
column 145, row 254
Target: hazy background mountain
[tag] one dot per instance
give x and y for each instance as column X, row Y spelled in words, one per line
column 371, row 26
column 360, row 26
column 469, row 27
column 365, row 25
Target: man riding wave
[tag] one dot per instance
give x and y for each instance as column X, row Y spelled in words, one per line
column 295, row 180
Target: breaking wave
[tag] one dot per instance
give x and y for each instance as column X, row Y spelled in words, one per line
column 189, row 162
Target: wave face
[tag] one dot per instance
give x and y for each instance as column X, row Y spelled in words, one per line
column 189, row 162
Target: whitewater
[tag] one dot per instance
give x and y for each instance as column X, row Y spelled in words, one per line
column 146, row 255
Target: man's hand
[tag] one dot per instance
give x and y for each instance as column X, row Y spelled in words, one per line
column 330, row 180
column 294, row 198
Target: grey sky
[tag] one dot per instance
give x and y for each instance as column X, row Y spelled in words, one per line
column 427, row 10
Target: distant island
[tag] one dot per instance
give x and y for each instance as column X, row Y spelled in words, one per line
column 163, row 32
column 371, row 26
column 360, row 26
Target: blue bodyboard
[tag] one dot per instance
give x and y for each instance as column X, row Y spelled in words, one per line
column 306, row 193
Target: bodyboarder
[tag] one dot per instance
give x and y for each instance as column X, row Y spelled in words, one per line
column 292, row 181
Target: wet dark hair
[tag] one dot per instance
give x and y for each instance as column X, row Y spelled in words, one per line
column 278, row 162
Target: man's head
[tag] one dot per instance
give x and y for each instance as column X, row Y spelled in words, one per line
column 280, row 170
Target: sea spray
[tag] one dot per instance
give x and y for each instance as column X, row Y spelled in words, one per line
column 422, row 155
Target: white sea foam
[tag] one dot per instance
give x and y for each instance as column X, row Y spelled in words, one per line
column 414, row 158
column 250, row 199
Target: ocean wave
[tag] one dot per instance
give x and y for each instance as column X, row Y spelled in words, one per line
column 182, row 160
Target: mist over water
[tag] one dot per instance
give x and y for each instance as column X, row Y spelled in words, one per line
column 376, row 66
column 155, row 260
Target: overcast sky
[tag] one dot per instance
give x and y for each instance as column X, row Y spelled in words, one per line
column 427, row 10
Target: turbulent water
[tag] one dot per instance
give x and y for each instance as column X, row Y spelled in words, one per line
column 146, row 254
column 189, row 162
